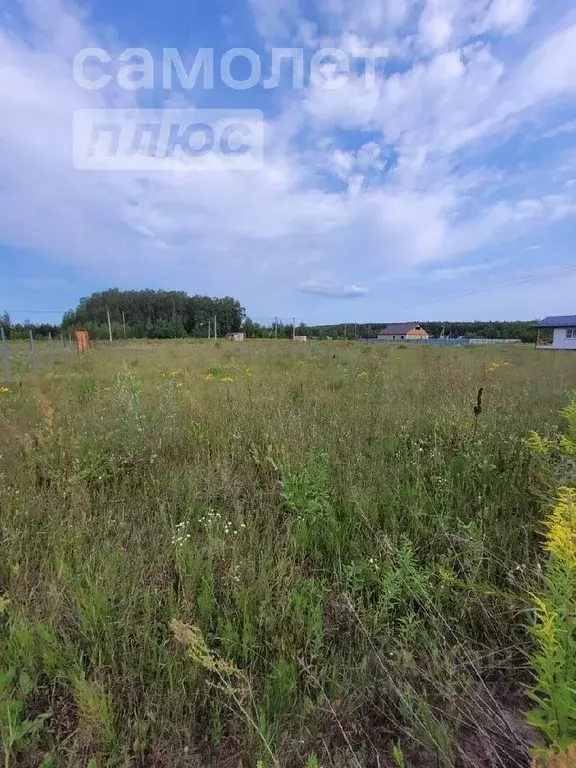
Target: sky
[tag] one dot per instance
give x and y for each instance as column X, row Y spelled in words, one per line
column 442, row 187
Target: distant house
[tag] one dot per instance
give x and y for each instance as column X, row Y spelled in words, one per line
column 236, row 337
column 399, row 331
column 557, row 332
column 301, row 338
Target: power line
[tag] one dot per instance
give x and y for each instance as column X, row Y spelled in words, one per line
column 494, row 285
column 38, row 311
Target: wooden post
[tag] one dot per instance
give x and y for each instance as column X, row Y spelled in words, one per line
column 32, row 351
column 6, row 356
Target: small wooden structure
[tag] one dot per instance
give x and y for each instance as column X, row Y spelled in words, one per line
column 301, row 338
column 82, row 340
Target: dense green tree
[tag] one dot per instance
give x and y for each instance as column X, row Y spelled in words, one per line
column 154, row 314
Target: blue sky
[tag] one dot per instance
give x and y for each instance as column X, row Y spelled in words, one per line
column 446, row 190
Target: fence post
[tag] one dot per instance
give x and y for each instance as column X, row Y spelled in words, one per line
column 6, row 356
column 32, row 351
column 51, row 348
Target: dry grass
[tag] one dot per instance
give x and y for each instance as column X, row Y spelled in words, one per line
column 329, row 518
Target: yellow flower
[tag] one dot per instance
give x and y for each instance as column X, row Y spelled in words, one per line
column 4, row 390
column 173, row 374
column 227, row 380
column 179, row 385
column 561, row 529
column 538, row 444
column 209, row 377
column 363, row 374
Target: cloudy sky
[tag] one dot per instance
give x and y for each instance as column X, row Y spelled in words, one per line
column 442, row 188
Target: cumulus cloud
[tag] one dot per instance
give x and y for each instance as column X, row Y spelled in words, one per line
column 362, row 181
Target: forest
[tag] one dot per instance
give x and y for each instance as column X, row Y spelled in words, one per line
column 154, row 314
column 174, row 314
column 526, row 331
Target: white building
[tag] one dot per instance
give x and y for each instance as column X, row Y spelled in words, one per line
column 557, row 333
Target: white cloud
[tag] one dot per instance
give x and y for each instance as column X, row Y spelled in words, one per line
column 436, row 22
column 509, row 16
column 384, row 180
column 334, row 291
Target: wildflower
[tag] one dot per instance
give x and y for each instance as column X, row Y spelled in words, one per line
column 227, row 380
column 363, row 374
column 561, row 529
column 180, row 535
column 494, row 367
column 179, row 385
column 209, row 377
column 4, row 390
column 538, row 444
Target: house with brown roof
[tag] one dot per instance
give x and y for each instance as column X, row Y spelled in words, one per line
column 399, row 331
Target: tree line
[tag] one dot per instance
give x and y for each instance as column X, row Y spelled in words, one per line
column 526, row 331
column 174, row 314
column 16, row 331
column 154, row 315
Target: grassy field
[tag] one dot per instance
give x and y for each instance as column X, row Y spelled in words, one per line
column 215, row 554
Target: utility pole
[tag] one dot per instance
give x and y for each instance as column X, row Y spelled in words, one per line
column 124, row 324
column 275, row 327
column 215, row 332
column 209, row 329
column 345, row 332
column 109, row 324
column 355, row 331
column 293, row 328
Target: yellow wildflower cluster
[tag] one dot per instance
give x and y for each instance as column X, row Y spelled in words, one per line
column 538, row 444
column 4, row 390
column 227, row 380
column 569, row 412
column 568, row 441
column 209, row 377
column 494, row 367
column 173, row 374
column 363, row 374
column 561, row 529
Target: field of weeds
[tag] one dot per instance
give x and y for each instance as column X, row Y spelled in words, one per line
column 218, row 554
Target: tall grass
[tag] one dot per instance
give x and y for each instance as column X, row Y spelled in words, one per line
column 221, row 554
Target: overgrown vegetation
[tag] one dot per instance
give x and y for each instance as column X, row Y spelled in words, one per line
column 287, row 555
